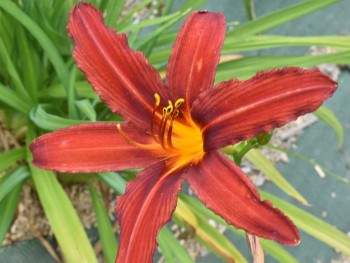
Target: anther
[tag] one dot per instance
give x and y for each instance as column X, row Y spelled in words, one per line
column 157, row 98
column 169, row 109
column 179, row 102
column 156, row 105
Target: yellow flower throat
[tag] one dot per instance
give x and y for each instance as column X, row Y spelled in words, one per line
column 180, row 143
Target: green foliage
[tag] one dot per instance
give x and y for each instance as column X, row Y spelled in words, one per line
column 41, row 90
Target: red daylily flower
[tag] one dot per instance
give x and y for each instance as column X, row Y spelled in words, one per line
column 176, row 129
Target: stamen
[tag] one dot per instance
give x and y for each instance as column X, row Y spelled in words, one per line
column 170, row 131
column 126, row 137
column 170, row 112
column 176, row 112
column 162, row 129
column 156, row 105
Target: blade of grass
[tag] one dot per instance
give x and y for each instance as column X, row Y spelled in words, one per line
column 249, row 9
column 60, row 212
column 126, row 20
column 171, row 248
column 269, row 41
column 312, row 163
column 191, row 5
column 273, row 249
column 113, row 181
column 10, row 98
column 14, row 76
column 11, row 157
column 245, row 68
column 104, row 226
column 8, row 207
column 326, row 115
column 207, row 234
column 50, row 122
column 280, row 17
column 232, row 44
column 313, row 225
column 72, row 110
column 165, row 12
column 43, row 40
column 87, row 109
column 83, row 89
column 264, row 165
column 113, row 10
column 150, row 22
column 142, row 42
column 16, row 177
column 29, row 63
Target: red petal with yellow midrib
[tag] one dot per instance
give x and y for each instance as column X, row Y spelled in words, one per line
column 143, row 210
column 238, row 110
column 228, row 192
column 93, row 147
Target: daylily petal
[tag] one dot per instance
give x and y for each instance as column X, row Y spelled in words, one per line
column 228, row 192
column 146, row 206
column 93, row 147
column 195, row 55
column 237, row 110
column 123, row 78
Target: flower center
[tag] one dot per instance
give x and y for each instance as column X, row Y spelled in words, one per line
column 180, row 141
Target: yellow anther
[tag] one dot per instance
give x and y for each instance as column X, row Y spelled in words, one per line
column 179, row 102
column 169, row 109
column 157, row 98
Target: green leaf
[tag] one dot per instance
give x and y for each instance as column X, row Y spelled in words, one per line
column 329, row 117
column 313, row 163
column 104, row 226
column 247, row 67
column 9, row 158
column 43, row 40
column 129, row 17
column 143, row 41
column 276, row 251
column 12, row 71
column 8, row 208
column 249, row 9
column 233, row 44
column 29, row 63
column 313, row 225
column 171, row 248
column 149, row 22
column 49, row 121
column 193, row 4
column 10, row 98
column 206, row 233
column 87, row 109
column 83, row 88
column 113, row 10
column 63, row 219
column 280, row 17
column 12, row 180
column 114, row 181
column 264, row 165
